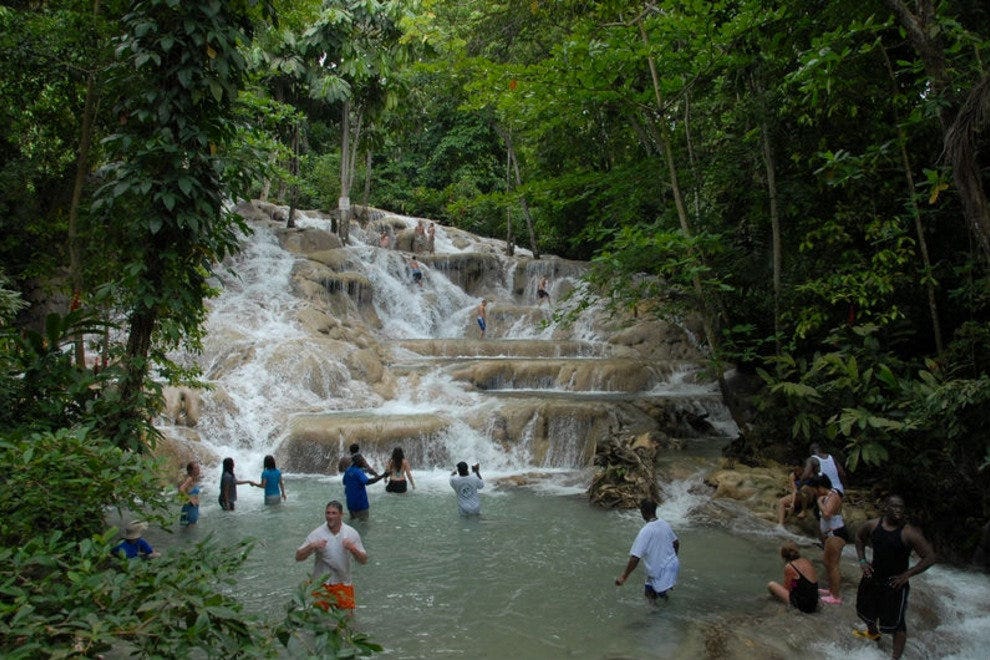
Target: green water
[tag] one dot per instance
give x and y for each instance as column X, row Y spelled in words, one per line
column 532, row 578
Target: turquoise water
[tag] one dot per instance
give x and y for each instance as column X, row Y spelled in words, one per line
column 533, row 578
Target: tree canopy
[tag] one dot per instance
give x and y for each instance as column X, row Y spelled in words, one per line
column 808, row 178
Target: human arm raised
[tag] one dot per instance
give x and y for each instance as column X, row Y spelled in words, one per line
column 356, row 550
column 305, row 551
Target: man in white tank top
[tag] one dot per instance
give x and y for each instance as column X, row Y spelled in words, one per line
column 821, row 462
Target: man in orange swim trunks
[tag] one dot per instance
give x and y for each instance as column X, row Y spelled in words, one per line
column 332, row 545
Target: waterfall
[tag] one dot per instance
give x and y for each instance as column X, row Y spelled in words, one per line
column 309, row 349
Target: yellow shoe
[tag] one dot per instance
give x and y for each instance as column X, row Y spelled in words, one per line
column 866, row 634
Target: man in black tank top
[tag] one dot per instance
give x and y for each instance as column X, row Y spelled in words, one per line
column 881, row 601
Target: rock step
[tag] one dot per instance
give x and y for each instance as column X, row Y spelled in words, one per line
column 522, row 348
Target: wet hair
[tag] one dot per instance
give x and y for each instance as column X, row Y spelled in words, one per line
column 228, row 465
column 648, row 508
column 190, row 467
column 354, row 448
column 269, row 462
column 789, row 551
column 336, row 505
column 397, row 457
column 462, row 469
column 821, row 481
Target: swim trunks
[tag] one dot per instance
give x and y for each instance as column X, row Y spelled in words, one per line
column 334, row 595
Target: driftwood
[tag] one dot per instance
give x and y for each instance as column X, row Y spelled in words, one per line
column 626, row 472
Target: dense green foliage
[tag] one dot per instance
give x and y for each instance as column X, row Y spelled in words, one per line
column 809, row 178
column 66, row 595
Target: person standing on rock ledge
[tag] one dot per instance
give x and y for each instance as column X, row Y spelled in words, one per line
column 882, row 597
column 483, row 316
column 657, row 545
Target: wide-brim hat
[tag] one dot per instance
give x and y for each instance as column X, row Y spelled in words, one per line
column 134, row 530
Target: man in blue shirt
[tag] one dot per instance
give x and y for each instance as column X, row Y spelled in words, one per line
column 355, row 482
column 133, row 545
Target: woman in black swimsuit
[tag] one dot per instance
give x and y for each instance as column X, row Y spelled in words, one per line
column 398, row 472
column 800, row 587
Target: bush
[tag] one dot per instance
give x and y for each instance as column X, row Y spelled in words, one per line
column 64, row 593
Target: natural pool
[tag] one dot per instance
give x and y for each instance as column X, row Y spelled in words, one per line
column 533, row 578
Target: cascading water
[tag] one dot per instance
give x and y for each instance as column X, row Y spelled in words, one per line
column 533, row 577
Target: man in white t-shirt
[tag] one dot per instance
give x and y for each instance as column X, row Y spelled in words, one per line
column 821, row 462
column 332, row 545
column 467, row 486
column 658, row 547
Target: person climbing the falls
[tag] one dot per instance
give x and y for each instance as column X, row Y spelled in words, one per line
column 483, row 316
column 543, row 291
column 657, row 545
column 417, row 271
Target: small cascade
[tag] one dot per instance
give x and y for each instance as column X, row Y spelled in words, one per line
column 313, row 346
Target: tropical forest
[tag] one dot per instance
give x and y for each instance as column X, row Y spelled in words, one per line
column 806, row 184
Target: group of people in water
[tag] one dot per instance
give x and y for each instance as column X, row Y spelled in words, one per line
column 882, row 594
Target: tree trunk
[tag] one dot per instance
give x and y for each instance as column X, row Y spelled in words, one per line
column 344, row 201
column 82, row 169
column 290, row 222
column 915, row 211
column 266, row 186
column 708, row 321
column 522, row 199
column 770, row 164
column 525, row 208
column 366, row 194
column 960, row 125
column 962, row 149
column 510, row 248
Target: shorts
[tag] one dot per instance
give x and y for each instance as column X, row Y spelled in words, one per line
column 540, row 293
column 360, row 514
column 417, row 276
column 189, row 515
column 878, row 604
column 396, row 486
column 340, row 596
column 481, row 323
column 840, row 532
column 652, row 594
column 271, row 500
